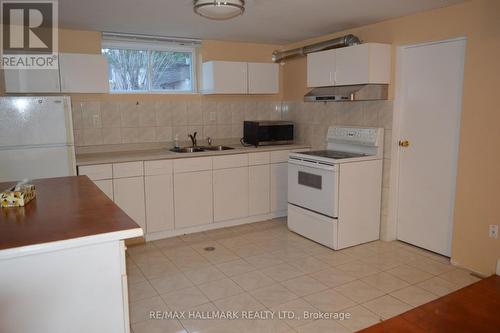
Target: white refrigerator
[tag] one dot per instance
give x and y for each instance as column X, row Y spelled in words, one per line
column 36, row 138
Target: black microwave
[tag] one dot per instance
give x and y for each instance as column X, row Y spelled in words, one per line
column 259, row 133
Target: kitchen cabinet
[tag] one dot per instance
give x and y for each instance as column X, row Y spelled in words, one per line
column 32, row 81
column 279, row 187
column 83, row 73
column 358, row 64
column 106, row 186
column 77, row 73
column 101, row 175
column 224, row 77
column 321, row 68
column 129, row 196
column 193, row 198
column 159, row 196
column 263, row 78
column 230, row 193
column 259, row 189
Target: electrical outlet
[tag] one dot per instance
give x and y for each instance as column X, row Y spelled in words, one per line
column 494, row 231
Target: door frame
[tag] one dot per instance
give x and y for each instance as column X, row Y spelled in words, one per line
column 393, row 204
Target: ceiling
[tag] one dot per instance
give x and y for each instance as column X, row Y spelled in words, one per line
column 267, row 21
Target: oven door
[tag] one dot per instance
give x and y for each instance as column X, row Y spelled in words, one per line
column 313, row 186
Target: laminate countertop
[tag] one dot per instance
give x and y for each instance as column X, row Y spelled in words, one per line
column 160, row 154
column 66, row 209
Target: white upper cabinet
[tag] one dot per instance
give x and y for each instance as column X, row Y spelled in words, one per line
column 358, row 64
column 321, row 68
column 83, row 73
column 263, row 78
column 225, row 77
column 32, row 81
column 77, row 73
column 232, row 77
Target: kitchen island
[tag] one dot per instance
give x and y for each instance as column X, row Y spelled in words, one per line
column 62, row 260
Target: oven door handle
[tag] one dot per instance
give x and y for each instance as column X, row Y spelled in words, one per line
column 312, row 164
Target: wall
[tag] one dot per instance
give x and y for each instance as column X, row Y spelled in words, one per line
column 477, row 197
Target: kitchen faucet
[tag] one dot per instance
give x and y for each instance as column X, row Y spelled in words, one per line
column 193, row 139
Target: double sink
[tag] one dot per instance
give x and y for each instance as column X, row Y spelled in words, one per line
column 200, row 149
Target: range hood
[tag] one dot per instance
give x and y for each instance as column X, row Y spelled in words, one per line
column 358, row 92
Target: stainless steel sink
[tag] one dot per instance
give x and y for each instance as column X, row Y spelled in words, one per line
column 217, row 148
column 187, row 150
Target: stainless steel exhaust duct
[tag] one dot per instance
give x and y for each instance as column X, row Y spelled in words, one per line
column 347, row 40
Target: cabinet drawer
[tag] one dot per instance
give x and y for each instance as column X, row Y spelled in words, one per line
column 129, row 169
column 162, row 167
column 279, row 156
column 259, row 158
column 96, row 172
column 230, row 161
column 192, row 164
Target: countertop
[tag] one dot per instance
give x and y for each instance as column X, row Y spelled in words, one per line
column 64, row 209
column 161, row 154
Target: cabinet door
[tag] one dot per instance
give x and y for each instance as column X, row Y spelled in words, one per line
column 263, row 78
column 230, row 193
column 279, row 187
column 83, row 73
column 32, row 81
column 193, row 199
column 129, row 196
column 259, row 191
column 106, row 186
column 364, row 63
column 225, row 77
column 159, row 202
column 320, row 68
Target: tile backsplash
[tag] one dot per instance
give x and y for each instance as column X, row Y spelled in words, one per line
column 105, row 123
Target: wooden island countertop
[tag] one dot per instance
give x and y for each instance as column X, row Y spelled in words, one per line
column 65, row 208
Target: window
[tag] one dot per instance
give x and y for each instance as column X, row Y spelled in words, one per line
column 149, row 67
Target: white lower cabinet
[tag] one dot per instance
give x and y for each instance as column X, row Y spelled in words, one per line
column 159, row 202
column 193, row 198
column 259, row 189
column 230, row 194
column 129, row 196
column 279, row 187
column 106, row 186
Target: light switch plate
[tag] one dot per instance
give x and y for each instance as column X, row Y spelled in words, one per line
column 493, row 231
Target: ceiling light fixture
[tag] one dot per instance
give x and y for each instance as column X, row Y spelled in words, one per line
column 219, row 9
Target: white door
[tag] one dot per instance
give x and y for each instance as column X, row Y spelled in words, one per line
column 159, row 202
column 320, row 68
column 429, row 99
column 32, row 81
column 259, row 191
column 129, row 196
column 193, row 199
column 230, row 193
column 263, row 78
column 279, row 187
column 83, row 73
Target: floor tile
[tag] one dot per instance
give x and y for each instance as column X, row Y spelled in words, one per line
column 203, row 275
column 460, row 277
column 220, row 289
column 273, row 295
column 184, row 299
column 360, row 318
column 333, row 277
column 158, row 326
column 335, row 258
column 309, row 264
column 414, row 296
column 264, row 260
column 240, row 302
column 253, row 280
column 359, row 291
column 304, row 285
column 385, row 282
column 438, row 286
column 196, row 324
column 431, row 266
column 387, row 306
column 170, row 283
column 329, row 301
column 282, row 272
column 298, row 307
column 134, row 275
column 409, row 274
column 323, row 326
column 159, row 270
column 382, row 262
column 236, row 267
column 140, row 310
column 140, row 291
column 358, row 269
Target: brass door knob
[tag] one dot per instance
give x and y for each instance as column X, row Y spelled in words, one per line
column 404, row 143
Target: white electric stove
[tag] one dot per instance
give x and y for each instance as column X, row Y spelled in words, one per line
column 334, row 195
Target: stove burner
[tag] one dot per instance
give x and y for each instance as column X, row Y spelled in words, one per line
column 336, row 155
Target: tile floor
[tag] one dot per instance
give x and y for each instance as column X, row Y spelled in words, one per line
column 264, row 267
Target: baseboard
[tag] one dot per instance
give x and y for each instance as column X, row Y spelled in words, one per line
column 498, row 267
column 213, row 225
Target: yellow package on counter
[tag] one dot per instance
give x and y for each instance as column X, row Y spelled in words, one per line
column 18, row 196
